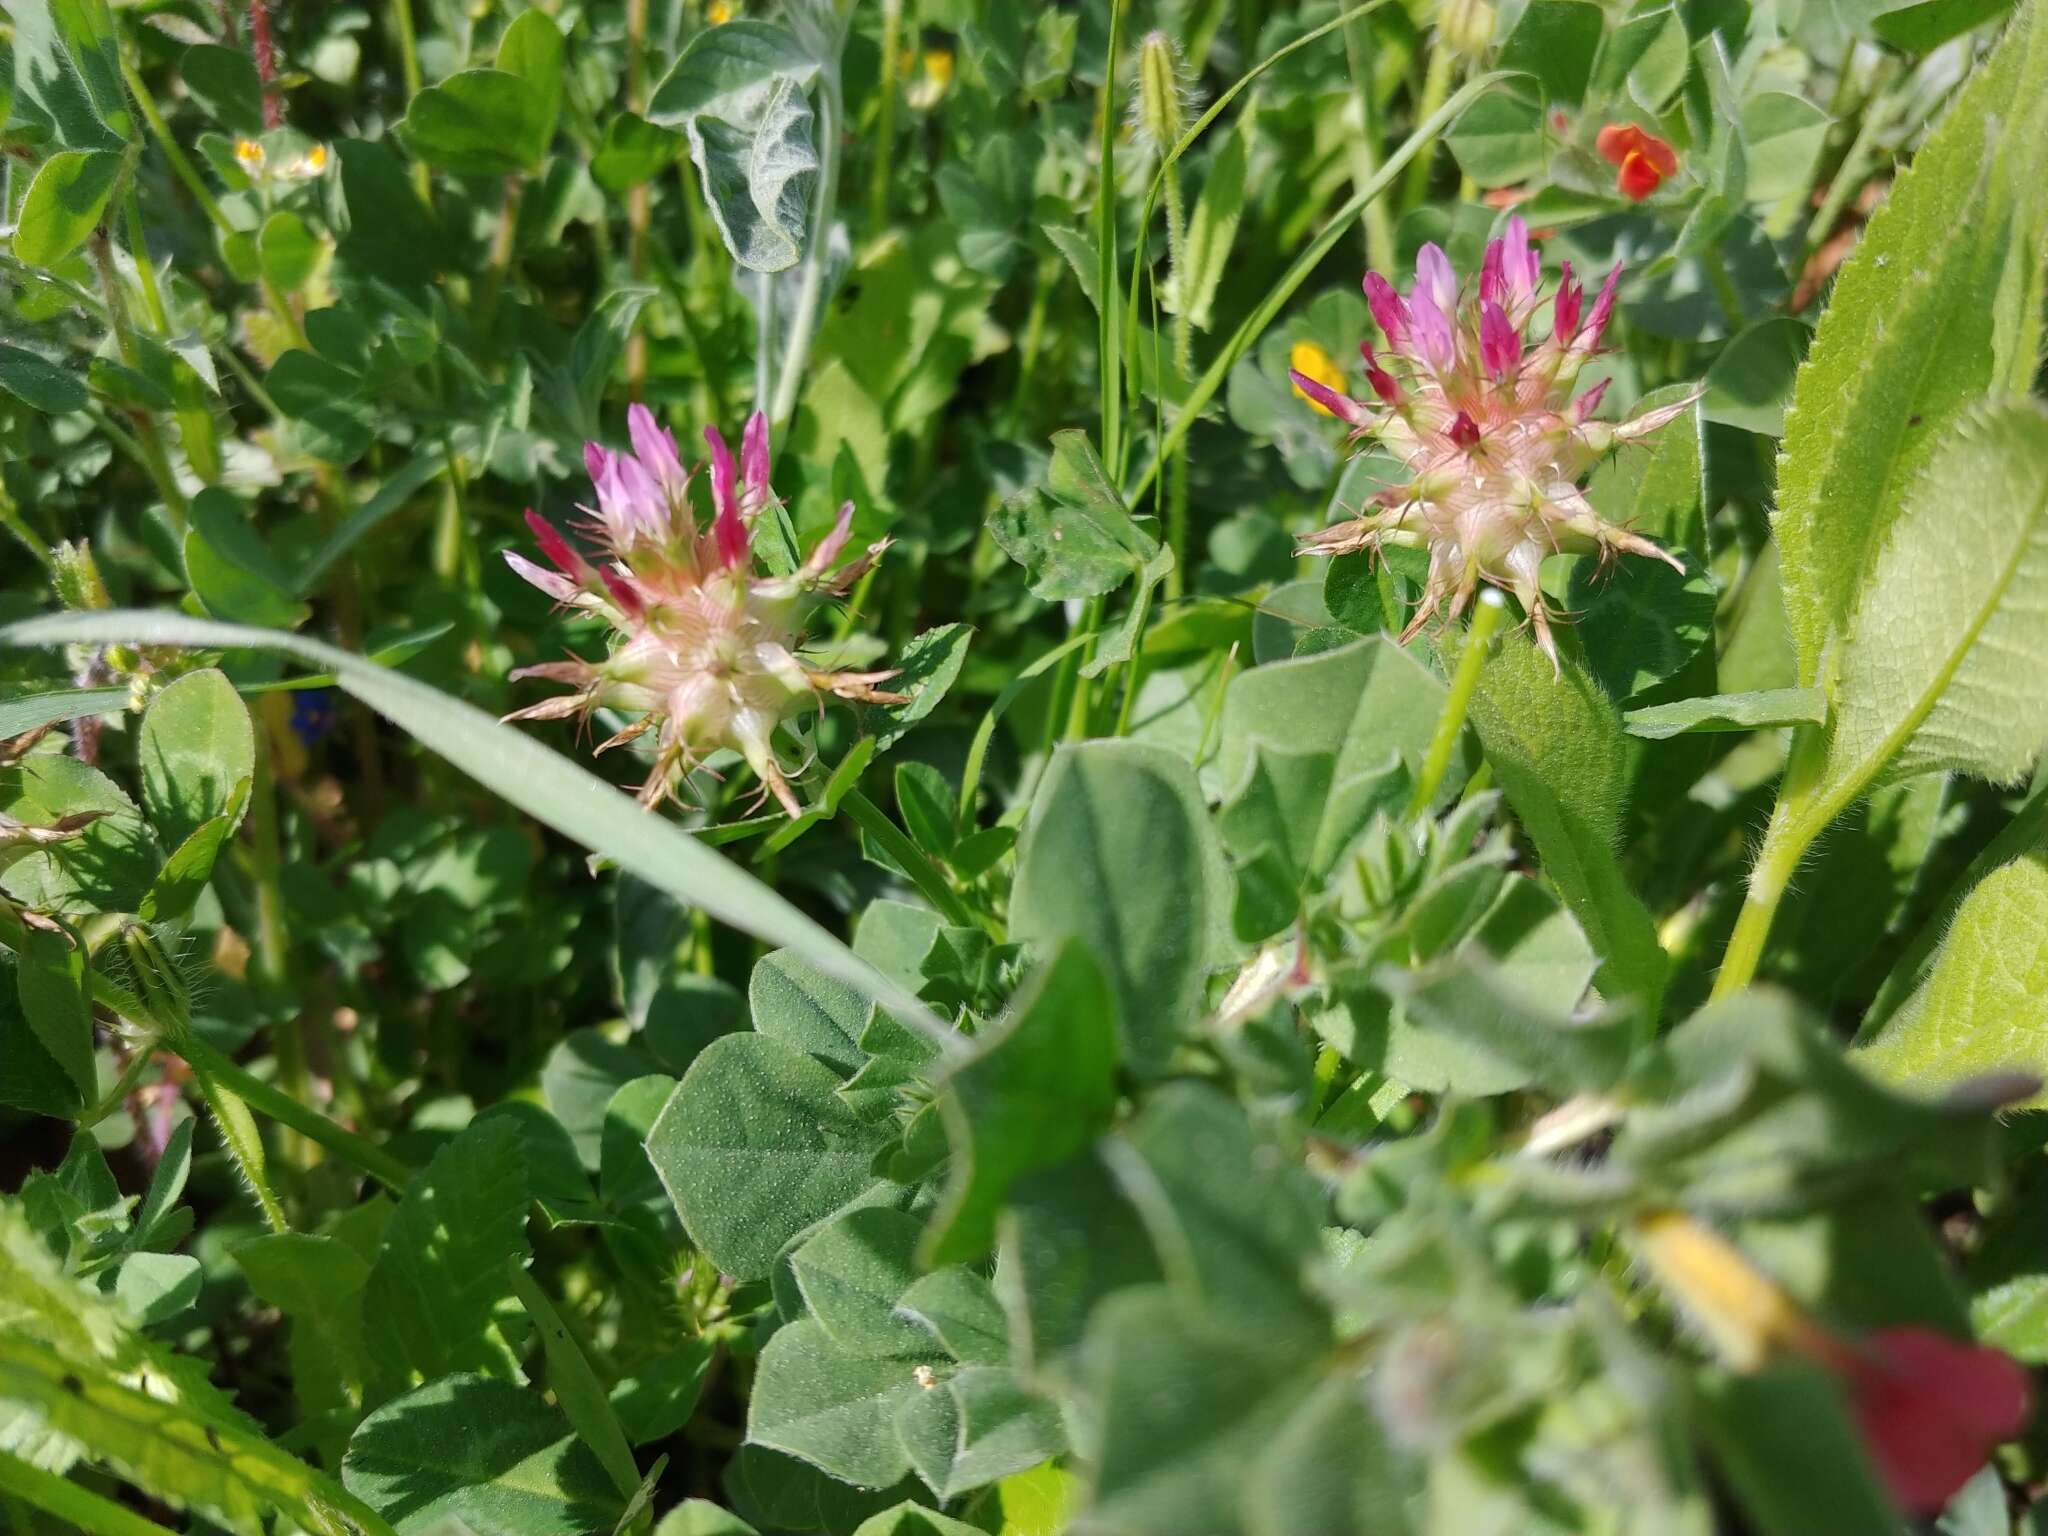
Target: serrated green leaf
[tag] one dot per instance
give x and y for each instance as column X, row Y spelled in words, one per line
column 1075, row 536
column 482, row 1455
column 443, row 1267
column 1907, row 341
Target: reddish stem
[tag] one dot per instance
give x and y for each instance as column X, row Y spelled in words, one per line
column 266, row 62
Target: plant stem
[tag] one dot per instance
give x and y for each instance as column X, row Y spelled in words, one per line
column 181, row 166
column 1471, row 660
column 1177, row 518
column 885, row 117
column 281, row 1107
column 1134, row 669
column 639, row 196
column 77, row 1507
column 1081, row 701
column 1365, row 143
column 148, row 439
column 1792, row 830
column 811, row 295
column 1725, row 292
column 908, row 857
column 1436, row 86
column 409, row 68
column 503, row 242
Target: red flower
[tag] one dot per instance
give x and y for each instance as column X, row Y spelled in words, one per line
column 1931, row 1409
column 1643, row 159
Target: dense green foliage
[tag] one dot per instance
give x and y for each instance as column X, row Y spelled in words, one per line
column 1106, row 1018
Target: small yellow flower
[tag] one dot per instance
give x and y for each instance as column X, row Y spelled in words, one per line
column 718, row 12
column 925, row 91
column 308, row 165
column 1312, row 362
column 250, row 154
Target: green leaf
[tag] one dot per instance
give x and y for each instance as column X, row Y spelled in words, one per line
column 1640, row 622
column 827, row 1405
column 39, row 384
column 540, row 782
column 755, row 1146
column 1555, row 40
column 1907, row 342
column 975, row 1427
column 67, row 73
column 1039, row 1088
column 1647, row 56
column 1183, row 1406
column 853, row 1271
column 316, row 1282
column 180, row 883
column 700, row 1517
column 1233, row 1221
column 1500, row 139
column 288, row 248
column 50, row 973
column 797, row 1004
column 658, row 1397
column 443, row 1267
column 1784, row 1440
column 1556, row 745
column 1920, row 26
column 232, row 571
column 481, row 122
column 63, row 204
column 1767, row 709
column 1290, row 822
column 156, row 1287
column 1355, row 704
column 1984, row 1007
column 475, row 1454
column 737, row 92
column 1782, row 136
column 926, row 669
column 197, row 746
column 1075, row 537
column 914, row 1520
column 224, row 82
column 1118, row 851
column 956, row 1306
column 1938, row 670
column 531, row 50
column 634, row 151
column 1750, row 383
column 106, row 868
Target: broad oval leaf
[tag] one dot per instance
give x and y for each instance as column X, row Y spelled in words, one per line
column 64, row 202
column 1908, row 341
column 1984, row 1006
column 737, row 92
column 1119, row 853
column 1942, row 668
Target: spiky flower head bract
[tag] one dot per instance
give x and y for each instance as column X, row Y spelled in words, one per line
column 705, row 647
column 1483, row 419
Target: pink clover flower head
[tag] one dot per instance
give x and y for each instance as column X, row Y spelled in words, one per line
column 705, row 648
column 1481, row 412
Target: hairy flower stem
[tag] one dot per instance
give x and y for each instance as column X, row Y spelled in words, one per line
column 639, row 196
column 1792, row 829
column 1471, row 660
column 266, row 1099
column 1365, row 143
column 1436, row 88
column 238, row 1133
